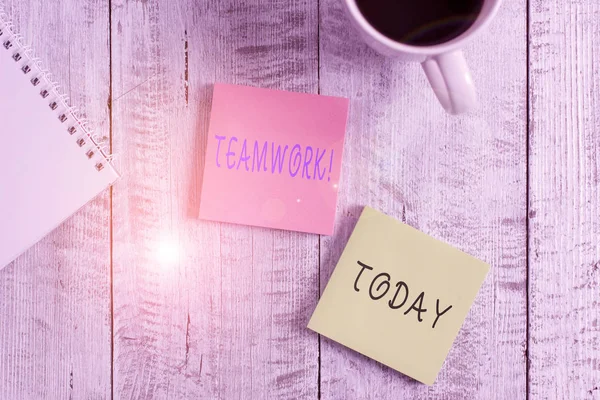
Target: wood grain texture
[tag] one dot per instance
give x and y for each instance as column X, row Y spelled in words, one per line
column 564, row 241
column 227, row 319
column 55, row 299
column 459, row 179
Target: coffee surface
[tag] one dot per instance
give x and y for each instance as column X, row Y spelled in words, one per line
column 421, row 22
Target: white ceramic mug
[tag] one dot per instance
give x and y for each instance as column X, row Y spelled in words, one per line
column 444, row 64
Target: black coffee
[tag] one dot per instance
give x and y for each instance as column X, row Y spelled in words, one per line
column 420, row 22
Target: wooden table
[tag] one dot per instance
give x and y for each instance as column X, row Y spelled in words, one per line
column 89, row 313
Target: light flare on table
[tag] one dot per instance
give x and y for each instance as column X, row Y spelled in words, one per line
column 167, row 251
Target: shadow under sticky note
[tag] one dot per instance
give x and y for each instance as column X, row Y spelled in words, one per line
column 398, row 296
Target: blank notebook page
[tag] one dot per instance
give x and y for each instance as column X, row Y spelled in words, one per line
column 45, row 174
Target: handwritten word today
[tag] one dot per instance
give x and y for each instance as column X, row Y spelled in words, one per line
column 380, row 285
column 254, row 156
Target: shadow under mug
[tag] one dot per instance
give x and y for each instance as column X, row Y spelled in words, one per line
column 444, row 63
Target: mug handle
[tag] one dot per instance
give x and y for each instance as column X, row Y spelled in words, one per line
column 450, row 79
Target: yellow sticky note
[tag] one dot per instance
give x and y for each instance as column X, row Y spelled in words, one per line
column 398, row 296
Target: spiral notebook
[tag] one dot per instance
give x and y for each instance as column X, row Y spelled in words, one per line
column 50, row 164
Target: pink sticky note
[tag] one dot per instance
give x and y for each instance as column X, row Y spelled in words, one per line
column 273, row 158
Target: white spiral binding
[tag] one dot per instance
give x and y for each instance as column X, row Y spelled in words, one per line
column 32, row 68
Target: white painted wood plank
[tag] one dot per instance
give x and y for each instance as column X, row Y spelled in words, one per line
column 228, row 319
column 55, row 299
column 564, row 222
column 460, row 179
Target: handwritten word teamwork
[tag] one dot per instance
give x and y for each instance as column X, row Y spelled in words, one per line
column 257, row 156
column 380, row 286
